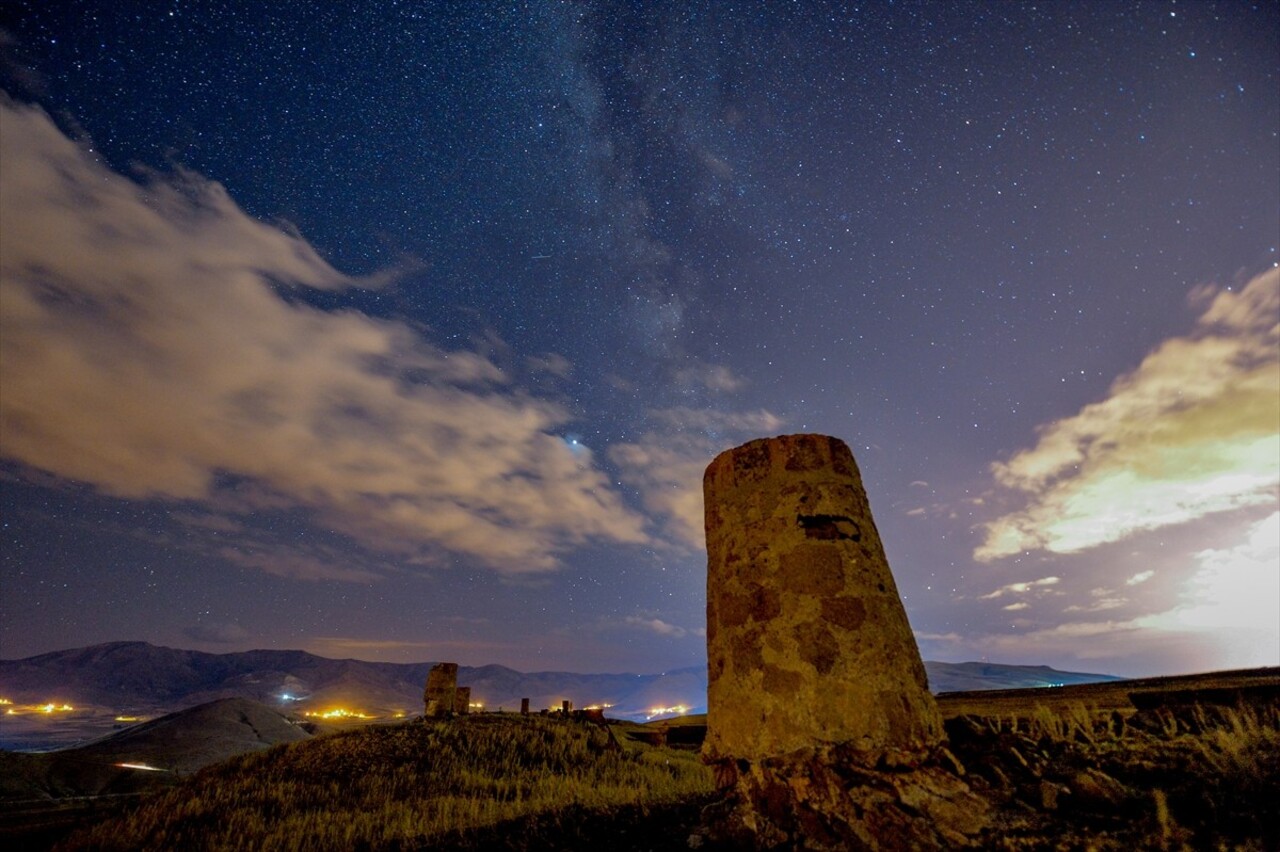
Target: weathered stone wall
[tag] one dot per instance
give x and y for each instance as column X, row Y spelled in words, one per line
column 462, row 700
column 807, row 639
column 439, row 696
column 820, row 725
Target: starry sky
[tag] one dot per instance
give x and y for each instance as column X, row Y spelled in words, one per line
column 404, row 331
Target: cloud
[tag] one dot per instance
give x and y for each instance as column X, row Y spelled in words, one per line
column 657, row 625
column 1021, row 588
column 1223, row 613
column 146, row 349
column 368, row 644
column 318, row 564
column 712, row 377
column 1234, row 592
column 1194, row 430
column 557, row 365
column 398, row 651
column 666, row 464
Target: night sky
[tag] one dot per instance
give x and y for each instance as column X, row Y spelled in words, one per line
column 404, row 331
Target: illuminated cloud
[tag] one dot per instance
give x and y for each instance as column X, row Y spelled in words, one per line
column 1223, row 612
column 146, row 349
column 666, row 464
column 1233, row 598
column 396, row 651
column 657, row 625
column 1194, row 430
column 1021, row 588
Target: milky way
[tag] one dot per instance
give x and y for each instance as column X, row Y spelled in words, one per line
column 400, row 332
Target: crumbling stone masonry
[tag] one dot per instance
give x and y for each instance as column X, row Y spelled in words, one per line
column 462, row 700
column 439, row 696
column 820, row 724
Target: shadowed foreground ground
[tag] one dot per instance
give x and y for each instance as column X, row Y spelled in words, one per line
column 1191, row 769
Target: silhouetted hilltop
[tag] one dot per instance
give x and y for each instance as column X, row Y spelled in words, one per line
column 970, row 677
column 141, row 677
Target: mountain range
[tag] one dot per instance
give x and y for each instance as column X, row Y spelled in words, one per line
column 137, row 678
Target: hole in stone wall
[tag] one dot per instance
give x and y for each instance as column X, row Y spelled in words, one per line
column 829, row 527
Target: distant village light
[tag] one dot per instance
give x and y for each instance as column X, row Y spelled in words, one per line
column 48, row 709
column 677, row 710
column 338, row 713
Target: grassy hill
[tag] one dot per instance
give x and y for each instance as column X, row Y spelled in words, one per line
column 1182, row 763
column 480, row 782
column 171, row 747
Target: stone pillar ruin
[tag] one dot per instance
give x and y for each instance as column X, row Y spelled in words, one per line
column 566, row 706
column 442, row 682
column 524, row 707
column 820, row 724
column 462, row 700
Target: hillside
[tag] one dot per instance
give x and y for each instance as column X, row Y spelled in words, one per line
column 1174, row 775
column 470, row 783
column 149, row 755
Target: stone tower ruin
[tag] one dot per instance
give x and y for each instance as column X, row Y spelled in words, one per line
column 820, row 723
column 439, row 697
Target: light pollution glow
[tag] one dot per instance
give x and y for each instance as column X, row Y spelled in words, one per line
column 1194, row 430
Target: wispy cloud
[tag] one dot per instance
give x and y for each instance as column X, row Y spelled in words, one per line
column 666, row 464
column 656, row 625
column 661, row 627
column 296, row 563
column 1021, row 587
column 146, row 350
column 712, row 377
column 1193, row 431
column 351, row 644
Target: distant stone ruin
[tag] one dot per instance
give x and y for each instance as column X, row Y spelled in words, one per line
column 462, row 700
column 820, row 724
column 440, row 696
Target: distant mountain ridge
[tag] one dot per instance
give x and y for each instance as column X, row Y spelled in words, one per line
column 139, row 676
column 129, row 676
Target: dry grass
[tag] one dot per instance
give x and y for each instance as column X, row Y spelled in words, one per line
column 1080, row 777
column 405, row 786
column 1060, row 775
